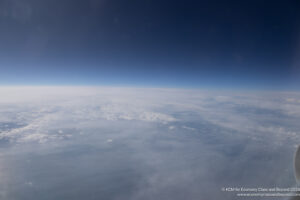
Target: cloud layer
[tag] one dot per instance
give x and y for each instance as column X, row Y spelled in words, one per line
column 135, row 143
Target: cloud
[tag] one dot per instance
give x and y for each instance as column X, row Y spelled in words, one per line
column 61, row 107
column 189, row 128
column 149, row 143
column 29, row 183
column 109, row 140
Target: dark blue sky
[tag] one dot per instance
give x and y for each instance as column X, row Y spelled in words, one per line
column 231, row 44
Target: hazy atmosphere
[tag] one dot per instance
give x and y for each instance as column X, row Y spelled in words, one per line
column 149, row 100
column 127, row 143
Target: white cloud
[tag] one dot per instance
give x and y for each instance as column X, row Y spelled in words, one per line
column 29, row 183
column 149, row 126
column 189, row 128
column 109, row 140
column 42, row 109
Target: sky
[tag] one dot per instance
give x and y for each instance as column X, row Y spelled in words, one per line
column 194, row 44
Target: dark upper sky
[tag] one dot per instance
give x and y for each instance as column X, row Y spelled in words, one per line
column 173, row 43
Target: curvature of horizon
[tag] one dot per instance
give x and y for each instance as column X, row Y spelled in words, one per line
column 190, row 44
